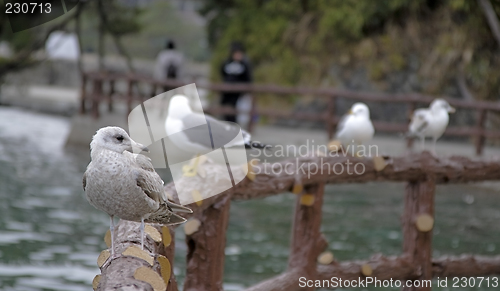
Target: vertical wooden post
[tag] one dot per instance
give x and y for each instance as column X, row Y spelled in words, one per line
column 83, row 93
column 330, row 118
column 206, row 246
column 153, row 90
column 252, row 113
column 110, row 95
column 417, row 236
column 130, row 95
column 169, row 252
column 96, row 97
column 411, row 108
column 307, row 242
column 480, row 138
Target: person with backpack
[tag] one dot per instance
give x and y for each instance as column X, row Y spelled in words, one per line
column 236, row 69
column 168, row 62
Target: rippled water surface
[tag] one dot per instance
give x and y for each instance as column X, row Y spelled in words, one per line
column 50, row 236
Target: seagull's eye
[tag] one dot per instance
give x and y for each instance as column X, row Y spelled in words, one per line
column 119, row 138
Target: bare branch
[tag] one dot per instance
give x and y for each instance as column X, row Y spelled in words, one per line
column 491, row 17
column 22, row 59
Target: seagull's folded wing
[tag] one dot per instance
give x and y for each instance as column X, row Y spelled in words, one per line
column 419, row 121
column 152, row 184
column 342, row 125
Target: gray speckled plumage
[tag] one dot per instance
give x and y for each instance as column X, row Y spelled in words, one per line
column 124, row 184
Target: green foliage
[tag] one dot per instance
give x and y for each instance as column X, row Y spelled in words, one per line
column 121, row 19
column 18, row 40
column 160, row 22
column 298, row 41
column 157, row 21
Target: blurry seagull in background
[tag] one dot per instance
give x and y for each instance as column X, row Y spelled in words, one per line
column 430, row 122
column 356, row 126
column 126, row 185
column 199, row 133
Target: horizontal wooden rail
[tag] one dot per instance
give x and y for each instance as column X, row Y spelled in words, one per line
column 329, row 118
column 279, row 177
column 280, row 90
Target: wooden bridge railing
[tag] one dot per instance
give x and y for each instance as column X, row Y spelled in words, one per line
column 329, row 117
column 206, row 228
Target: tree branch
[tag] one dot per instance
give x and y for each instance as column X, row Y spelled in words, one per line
column 491, row 17
column 22, row 59
column 116, row 39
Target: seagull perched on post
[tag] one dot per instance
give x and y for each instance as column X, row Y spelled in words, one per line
column 430, row 122
column 356, row 126
column 125, row 184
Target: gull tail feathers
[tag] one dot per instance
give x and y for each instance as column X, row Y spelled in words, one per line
column 178, row 208
column 176, row 219
column 165, row 214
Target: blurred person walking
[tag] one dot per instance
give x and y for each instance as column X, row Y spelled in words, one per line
column 236, row 69
column 168, row 62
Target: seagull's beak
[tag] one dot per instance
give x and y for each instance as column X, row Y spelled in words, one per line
column 451, row 110
column 350, row 112
column 139, row 146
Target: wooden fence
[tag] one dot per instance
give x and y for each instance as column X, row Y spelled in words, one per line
column 206, row 228
column 92, row 97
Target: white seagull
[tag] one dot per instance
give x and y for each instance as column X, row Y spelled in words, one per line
column 356, row 126
column 126, row 185
column 430, row 122
column 201, row 133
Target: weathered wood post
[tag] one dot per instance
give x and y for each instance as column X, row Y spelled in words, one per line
column 110, row 95
column 418, row 222
column 135, row 269
column 252, row 113
column 330, row 118
column 96, row 96
column 206, row 241
column 168, row 240
column 307, row 241
column 480, row 138
column 153, row 90
column 411, row 108
column 83, row 93
column 130, row 95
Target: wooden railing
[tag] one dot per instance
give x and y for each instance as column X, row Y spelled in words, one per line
column 97, row 95
column 206, row 228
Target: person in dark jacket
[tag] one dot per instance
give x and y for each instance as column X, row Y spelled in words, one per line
column 236, row 69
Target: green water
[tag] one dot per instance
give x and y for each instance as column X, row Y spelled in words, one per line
column 50, row 236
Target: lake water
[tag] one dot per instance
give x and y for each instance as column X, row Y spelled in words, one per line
column 50, row 236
